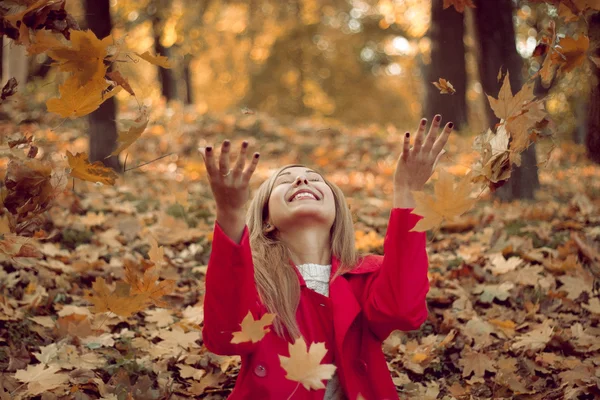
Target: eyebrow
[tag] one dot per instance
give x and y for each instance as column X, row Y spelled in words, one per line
column 288, row 173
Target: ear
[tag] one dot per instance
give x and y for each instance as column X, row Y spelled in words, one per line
column 268, row 228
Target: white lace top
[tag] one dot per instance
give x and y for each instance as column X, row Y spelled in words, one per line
column 316, row 277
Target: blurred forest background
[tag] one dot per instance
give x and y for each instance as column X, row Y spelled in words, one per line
column 358, row 62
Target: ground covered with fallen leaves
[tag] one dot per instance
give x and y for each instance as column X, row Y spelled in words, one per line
column 513, row 311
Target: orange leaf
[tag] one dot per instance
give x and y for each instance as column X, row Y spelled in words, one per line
column 507, row 105
column 253, row 330
column 571, row 53
column 444, row 86
column 96, row 172
column 159, row 60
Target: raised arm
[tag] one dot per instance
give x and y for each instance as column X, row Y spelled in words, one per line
column 395, row 297
column 230, row 288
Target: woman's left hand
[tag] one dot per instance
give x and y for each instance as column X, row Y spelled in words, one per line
column 416, row 165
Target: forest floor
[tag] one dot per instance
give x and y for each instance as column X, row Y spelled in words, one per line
column 513, row 312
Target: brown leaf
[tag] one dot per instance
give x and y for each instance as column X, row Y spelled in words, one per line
column 9, row 88
column 459, row 5
column 121, row 81
column 476, row 362
column 96, row 172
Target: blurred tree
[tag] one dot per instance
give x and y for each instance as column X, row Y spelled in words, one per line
column 593, row 121
column 159, row 10
column 447, row 61
column 103, row 128
column 496, row 37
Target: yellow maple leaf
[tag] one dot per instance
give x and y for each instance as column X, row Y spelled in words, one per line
column 119, row 301
column 507, row 105
column 253, row 330
column 77, row 101
column 304, row 365
column 148, row 285
column 43, row 41
column 450, row 200
column 444, row 86
column 96, row 172
column 159, row 60
column 520, row 125
column 136, row 128
column 84, row 57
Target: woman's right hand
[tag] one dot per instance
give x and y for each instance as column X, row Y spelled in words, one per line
column 230, row 187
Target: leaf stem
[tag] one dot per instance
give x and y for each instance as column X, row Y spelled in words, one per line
column 151, row 161
column 297, row 386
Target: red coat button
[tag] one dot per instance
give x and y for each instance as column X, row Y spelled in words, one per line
column 260, row 370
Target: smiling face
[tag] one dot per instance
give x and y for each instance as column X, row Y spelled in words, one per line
column 301, row 196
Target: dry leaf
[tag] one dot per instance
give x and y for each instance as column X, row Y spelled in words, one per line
column 304, row 365
column 253, row 331
column 444, row 86
column 9, row 88
column 156, row 252
column 507, row 105
column 450, row 200
column 121, row 81
column 476, row 362
column 136, row 128
column 570, row 52
column 536, row 339
column 41, row 379
column 96, row 172
column 159, row 60
column 76, row 101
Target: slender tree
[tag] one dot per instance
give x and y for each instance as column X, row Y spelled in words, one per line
column 448, row 62
column 592, row 141
column 496, row 38
column 103, row 128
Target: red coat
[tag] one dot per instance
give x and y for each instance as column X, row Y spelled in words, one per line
column 382, row 294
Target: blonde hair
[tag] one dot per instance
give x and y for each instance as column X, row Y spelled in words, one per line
column 276, row 280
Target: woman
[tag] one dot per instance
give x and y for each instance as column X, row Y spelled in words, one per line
column 293, row 255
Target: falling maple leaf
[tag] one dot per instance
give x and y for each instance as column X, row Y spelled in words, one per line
column 450, row 200
column 96, row 172
column 494, row 164
column 84, row 56
column 148, row 285
column 9, row 88
column 507, row 105
column 159, row 60
column 459, row 5
column 136, row 128
column 43, row 41
column 118, row 301
column 570, row 52
column 76, row 101
column 253, row 330
column 304, row 365
column 120, row 80
column 444, row 86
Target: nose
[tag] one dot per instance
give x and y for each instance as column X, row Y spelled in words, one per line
column 300, row 179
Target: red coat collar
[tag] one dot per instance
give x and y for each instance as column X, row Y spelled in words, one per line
column 364, row 265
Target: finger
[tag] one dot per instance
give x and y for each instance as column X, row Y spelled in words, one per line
column 209, row 162
column 433, row 131
column 438, row 159
column 241, row 161
column 442, row 139
column 224, row 157
column 406, row 148
column 419, row 136
column 251, row 168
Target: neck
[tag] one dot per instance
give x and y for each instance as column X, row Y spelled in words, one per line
column 308, row 244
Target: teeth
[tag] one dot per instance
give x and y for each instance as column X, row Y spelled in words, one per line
column 304, row 195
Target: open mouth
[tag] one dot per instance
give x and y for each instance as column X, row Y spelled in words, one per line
column 303, row 194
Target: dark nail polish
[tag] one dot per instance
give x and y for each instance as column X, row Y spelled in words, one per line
column 208, row 148
column 437, row 118
column 451, row 125
column 256, row 155
column 245, row 144
column 226, row 143
column 407, row 134
column 423, row 121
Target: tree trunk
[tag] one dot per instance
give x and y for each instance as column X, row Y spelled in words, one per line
column 166, row 76
column 496, row 37
column 14, row 62
column 448, row 62
column 103, row 128
column 592, row 141
column 187, row 76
